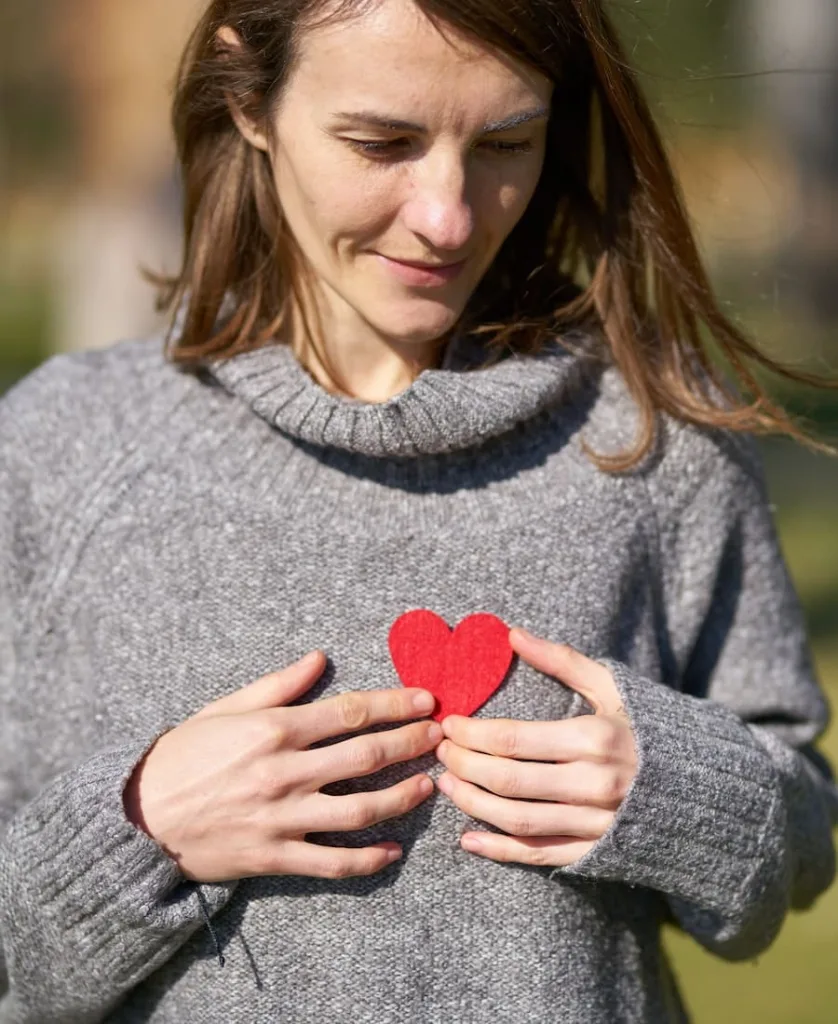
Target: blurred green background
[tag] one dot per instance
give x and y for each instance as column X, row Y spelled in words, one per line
column 746, row 92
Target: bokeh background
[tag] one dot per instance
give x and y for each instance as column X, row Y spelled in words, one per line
column 746, row 92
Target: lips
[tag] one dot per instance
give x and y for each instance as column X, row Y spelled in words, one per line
column 422, row 274
column 425, row 266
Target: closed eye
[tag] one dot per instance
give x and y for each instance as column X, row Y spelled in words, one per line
column 390, row 147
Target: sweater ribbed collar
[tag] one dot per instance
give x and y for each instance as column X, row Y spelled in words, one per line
column 456, row 406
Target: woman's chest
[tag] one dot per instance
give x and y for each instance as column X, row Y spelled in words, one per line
column 169, row 606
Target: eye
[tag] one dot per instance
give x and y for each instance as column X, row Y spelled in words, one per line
column 377, row 147
column 391, row 146
column 511, row 147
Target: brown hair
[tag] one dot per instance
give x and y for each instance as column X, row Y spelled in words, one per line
column 605, row 244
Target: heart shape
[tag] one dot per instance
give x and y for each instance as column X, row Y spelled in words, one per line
column 462, row 668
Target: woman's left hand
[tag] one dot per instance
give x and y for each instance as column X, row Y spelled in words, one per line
column 553, row 786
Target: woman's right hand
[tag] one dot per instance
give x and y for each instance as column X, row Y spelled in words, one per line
column 233, row 790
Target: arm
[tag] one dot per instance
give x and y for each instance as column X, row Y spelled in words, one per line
column 730, row 813
column 89, row 905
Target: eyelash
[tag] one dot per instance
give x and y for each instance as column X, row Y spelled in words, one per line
column 383, row 148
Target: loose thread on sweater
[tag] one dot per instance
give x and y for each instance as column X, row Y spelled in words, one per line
column 202, row 902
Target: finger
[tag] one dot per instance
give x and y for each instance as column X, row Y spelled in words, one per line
column 576, row 670
column 587, row 738
column 363, row 755
column 539, row 851
column 296, row 857
column 272, row 690
column 520, row 818
column 580, row 783
column 359, row 709
column 361, row 810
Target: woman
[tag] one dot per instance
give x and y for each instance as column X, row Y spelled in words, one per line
column 343, row 452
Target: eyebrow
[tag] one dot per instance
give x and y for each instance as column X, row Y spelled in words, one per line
column 374, row 120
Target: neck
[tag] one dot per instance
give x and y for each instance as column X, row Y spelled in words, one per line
column 357, row 362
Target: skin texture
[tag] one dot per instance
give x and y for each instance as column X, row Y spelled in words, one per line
column 233, row 791
column 556, row 809
column 447, row 193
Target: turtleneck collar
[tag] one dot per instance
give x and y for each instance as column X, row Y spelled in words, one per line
column 454, row 407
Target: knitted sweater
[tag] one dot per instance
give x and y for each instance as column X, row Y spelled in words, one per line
column 166, row 538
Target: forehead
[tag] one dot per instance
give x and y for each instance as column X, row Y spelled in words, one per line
column 393, row 54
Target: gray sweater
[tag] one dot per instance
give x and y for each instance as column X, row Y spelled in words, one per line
column 166, row 538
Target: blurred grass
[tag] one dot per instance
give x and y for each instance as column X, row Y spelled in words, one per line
column 26, row 327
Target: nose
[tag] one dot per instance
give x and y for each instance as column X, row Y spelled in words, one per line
column 438, row 206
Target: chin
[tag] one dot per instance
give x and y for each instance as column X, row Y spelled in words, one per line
column 419, row 329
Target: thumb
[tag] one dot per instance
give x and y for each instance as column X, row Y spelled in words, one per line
column 270, row 691
column 581, row 673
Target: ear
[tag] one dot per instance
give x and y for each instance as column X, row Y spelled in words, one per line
column 229, row 41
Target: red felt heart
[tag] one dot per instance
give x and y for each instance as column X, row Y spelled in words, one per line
column 462, row 668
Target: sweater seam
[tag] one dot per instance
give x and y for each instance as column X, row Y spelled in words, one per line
column 113, row 481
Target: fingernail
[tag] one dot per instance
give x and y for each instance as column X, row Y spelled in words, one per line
column 424, row 701
column 393, row 855
column 434, row 733
column 471, row 843
column 426, row 785
column 444, row 783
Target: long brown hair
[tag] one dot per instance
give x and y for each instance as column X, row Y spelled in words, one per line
column 605, row 244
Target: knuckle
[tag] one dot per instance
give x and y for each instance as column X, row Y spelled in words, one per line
column 280, row 735
column 265, row 783
column 397, row 705
column 419, row 740
column 352, row 711
column 606, row 739
column 538, row 856
column 369, row 863
column 519, row 825
column 609, row 788
column 336, row 867
column 273, row 729
column 506, row 740
column 406, row 798
column 366, row 757
column 357, row 814
column 392, row 804
column 508, row 782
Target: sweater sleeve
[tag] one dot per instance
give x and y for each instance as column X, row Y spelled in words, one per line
column 89, row 905
column 730, row 814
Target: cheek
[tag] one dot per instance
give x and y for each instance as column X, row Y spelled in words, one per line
column 514, row 196
column 347, row 211
column 501, row 206
column 323, row 197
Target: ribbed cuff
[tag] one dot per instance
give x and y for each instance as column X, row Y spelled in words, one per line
column 83, row 883
column 704, row 811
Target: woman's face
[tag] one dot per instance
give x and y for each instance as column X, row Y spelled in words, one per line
column 446, row 186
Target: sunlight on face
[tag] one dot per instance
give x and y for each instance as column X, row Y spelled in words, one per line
column 447, row 184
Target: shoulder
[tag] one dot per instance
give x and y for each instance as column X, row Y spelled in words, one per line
column 689, row 464
column 68, row 423
column 73, row 392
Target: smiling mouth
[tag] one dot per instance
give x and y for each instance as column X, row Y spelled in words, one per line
column 422, row 275
column 424, row 266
